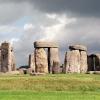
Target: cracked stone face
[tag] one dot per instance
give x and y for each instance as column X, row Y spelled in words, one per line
column 7, row 58
column 54, row 60
column 76, row 59
column 32, row 62
column 41, row 60
column 83, row 62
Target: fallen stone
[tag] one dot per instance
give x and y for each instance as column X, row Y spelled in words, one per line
column 13, row 73
column 37, row 74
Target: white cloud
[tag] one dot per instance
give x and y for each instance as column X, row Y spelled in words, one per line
column 62, row 18
column 51, row 16
column 53, row 31
column 14, row 40
column 28, row 26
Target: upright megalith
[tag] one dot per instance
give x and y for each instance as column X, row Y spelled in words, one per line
column 76, row 59
column 41, row 62
column 32, row 62
column 7, row 58
column 94, row 62
column 72, row 61
column 52, row 59
column 83, row 62
column 55, row 68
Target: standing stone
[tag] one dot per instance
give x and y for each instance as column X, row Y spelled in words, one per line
column 41, row 61
column 13, row 62
column 53, row 54
column 72, row 61
column 32, row 62
column 90, row 63
column 94, row 62
column 76, row 59
column 7, row 58
column 83, row 62
column 55, row 68
column 54, row 58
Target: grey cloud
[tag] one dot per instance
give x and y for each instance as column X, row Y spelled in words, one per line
column 76, row 7
column 12, row 11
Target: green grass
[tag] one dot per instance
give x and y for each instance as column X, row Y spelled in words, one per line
column 29, row 95
column 50, row 87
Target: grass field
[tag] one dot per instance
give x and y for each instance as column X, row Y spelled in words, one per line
column 50, row 87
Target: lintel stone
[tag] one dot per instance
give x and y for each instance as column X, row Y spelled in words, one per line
column 78, row 47
column 39, row 44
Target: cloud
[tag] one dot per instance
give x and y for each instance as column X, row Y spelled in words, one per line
column 14, row 40
column 45, row 31
column 28, row 27
column 11, row 11
column 75, row 7
column 51, row 32
column 18, row 8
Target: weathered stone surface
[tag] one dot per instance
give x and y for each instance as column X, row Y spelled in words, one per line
column 96, row 55
column 39, row 44
column 83, row 62
column 55, row 68
column 7, row 58
column 72, row 61
column 94, row 62
column 53, row 53
column 76, row 59
column 78, row 47
column 13, row 62
column 54, row 57
column 32, row 62
column 41, row 62
column 89, row 60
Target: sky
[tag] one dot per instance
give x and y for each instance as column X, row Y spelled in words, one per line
column 66, row 22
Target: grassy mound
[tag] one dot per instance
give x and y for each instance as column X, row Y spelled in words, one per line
column 50, row 87
column 62, row 82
